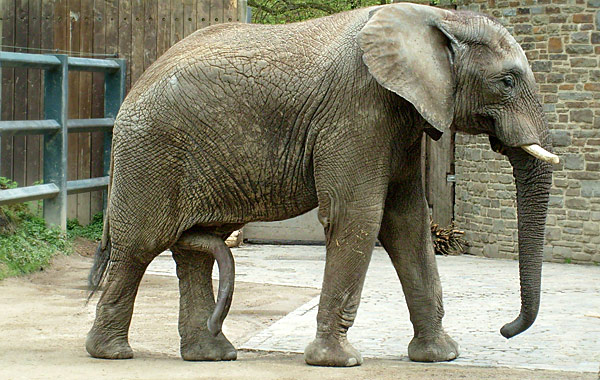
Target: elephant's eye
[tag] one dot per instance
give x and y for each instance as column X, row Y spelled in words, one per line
column 508, row 81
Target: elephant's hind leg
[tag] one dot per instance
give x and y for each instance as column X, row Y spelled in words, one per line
column 194, row 270
column 108, row 337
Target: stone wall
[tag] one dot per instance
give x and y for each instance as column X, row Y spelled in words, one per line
column 562, row 41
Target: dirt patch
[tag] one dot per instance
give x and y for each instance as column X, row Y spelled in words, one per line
column 84, row 247
column 44, row 321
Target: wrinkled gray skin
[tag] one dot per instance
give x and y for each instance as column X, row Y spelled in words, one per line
column 240, row 123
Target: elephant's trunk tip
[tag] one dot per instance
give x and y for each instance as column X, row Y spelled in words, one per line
column 516, row 327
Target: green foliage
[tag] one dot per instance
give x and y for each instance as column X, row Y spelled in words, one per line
column 31, row 246
column 286, row 11
column 26, row 244
column 567, row 260
column 92, row 231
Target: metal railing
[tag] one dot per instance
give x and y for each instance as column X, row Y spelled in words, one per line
column 56, row 126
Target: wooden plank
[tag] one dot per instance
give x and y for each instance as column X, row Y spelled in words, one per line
column 111, row 27
column 85, row 108
column 189, row 17
column 61, row 24
column 125, row 36
column 46, row 42
column 73, row 36
column 20, row 105
column 150, row 15
column 203, row 13
column 176, row 21
column 440, row 191
column 34, row 78
column 216, row 12
column 137, row 40
column 105, row 28
column 229, row 10
column 8, row 87
column 163, row 32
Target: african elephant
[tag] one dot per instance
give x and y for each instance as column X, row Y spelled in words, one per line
column 240, row 123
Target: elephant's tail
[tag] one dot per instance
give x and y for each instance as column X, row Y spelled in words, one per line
column 102, row 256
column 99, row 268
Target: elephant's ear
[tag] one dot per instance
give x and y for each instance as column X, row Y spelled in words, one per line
column 408, row 54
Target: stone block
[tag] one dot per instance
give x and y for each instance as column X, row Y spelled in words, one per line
column 591, row 228
column 498, row 226
column 594, row 3
column 595, row 38
column 583, row 18
column 577, row 204
column 537, row 10
column 553, row 233
column 542, row 66
column 582, row 116
column 561, row 138
column 583, row 62
column 592, row 87
column 555, row 78
column 556, row 201
column 562, row 252
column 590, row 188
column 579, row 49
column 582, row 257
column 520, row 29
column 574, row 95
column 580, row 37
column 573, row 162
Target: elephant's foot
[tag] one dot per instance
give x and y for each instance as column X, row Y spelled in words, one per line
column 332, row 352
column 102, row 346
column 440, row 348
column 208, row 348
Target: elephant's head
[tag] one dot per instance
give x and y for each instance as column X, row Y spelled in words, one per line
column 464, row 71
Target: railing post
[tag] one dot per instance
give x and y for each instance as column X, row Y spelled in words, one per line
column 56, row 85
column 114, row 93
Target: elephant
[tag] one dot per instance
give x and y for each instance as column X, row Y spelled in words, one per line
column 239, row 123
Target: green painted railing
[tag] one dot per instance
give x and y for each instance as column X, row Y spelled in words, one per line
column 56, row 128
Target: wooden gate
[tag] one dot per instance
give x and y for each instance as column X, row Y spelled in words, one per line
column 137, row 30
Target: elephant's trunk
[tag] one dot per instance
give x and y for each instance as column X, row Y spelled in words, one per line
column 533, row 179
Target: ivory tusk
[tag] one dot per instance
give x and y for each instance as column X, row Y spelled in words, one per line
column 538, row 152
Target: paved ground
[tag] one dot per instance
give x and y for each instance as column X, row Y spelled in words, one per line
column 480, row 295
column 44, row 319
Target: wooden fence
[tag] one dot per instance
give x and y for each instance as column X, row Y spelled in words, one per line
column 137, row 30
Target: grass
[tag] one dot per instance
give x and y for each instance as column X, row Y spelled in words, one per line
column 92, row 231
column 30, row 246
column 27, row 245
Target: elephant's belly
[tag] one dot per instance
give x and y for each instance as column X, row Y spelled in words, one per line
column 242, row 195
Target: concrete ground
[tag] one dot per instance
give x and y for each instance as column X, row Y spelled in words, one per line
column 44, row 319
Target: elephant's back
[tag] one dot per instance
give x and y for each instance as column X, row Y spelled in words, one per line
column 232, row 107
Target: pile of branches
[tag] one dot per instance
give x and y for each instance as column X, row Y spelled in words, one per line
column 448, row 240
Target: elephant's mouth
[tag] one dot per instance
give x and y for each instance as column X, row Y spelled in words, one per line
column 533, row 149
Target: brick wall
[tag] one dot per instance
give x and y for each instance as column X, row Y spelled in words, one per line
column 562, row 41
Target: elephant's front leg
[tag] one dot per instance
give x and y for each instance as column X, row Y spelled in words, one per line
column 196, row 304
column 406, row 236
